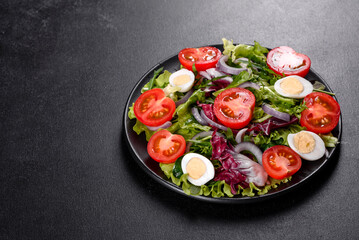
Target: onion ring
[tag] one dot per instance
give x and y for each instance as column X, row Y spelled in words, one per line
column 240, row 134
column 251, row 147
column 212, row 123
column 184, row 98
column 198, row 117
column 280, row 115
column 163, row 126
column 222, row 66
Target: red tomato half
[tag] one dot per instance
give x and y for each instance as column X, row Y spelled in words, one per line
column 153, row 108
column 234, row 107
column 323, row 113
column 281, row 161
column 285, row 60
column 166, row 147
column 203, row 58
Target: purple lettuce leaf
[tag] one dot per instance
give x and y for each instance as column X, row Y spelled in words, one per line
column 270, row 124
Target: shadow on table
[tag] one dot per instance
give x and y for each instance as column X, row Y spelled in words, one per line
column 193, row 208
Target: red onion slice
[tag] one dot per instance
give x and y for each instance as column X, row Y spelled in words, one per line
column 229, row 79
column 280, row 115
column 240, row 134
column 205, row 74
column 250, row 84
column 212, row 123
column 214, row 73
column 184, row 98
column 163, row 126
column 222, row 66
column 198, row 117
column 251, row 147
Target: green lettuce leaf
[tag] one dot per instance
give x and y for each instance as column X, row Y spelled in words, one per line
column 131, row 113
column 217, row 189
column 329, row 140
column 151, row 83
column 255, row 53
column 277, row 136
column 242, row 77
column 163, row 79
column 140, row 127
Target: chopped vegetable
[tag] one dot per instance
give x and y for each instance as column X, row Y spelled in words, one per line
column 234, row 117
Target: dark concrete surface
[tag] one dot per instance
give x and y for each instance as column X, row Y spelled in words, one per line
column 67, row 68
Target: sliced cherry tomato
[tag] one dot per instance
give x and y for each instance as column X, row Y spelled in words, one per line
column 234, row 107
column 322, row 114
column 166, row 147
column 153, row 108
column 281, row 161
column 285, row 60
column 203, row 58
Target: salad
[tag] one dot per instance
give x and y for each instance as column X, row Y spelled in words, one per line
column 235, row 123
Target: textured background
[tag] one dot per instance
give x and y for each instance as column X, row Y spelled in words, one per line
column 67, row 68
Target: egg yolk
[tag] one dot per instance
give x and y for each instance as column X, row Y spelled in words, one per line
column 196, row 168
column 181, row 79
column 304, row 142
column 292, row 86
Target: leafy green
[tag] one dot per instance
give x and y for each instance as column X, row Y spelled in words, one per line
column 277, row 136
column 255, row 53
column 188, row 130
column 217, row 189
column 329, row 140
column 163, row 79
column 242, row 77
column 177, row 169
column 140, row 127
column 184, row 108
column 230, row 137
column 253, row 190
column 151, row 83
column 131, row 113
column 202, row 146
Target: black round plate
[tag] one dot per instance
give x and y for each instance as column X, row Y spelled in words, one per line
column 138, row 144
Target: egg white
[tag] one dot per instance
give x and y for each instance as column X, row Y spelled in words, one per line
column 186, row 86
column 206, row 177
column 318, row 151
column 307, row 87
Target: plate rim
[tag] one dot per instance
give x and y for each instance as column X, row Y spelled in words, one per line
column 237, row 200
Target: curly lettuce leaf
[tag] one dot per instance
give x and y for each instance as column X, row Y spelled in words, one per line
column 202, row 146
column 255, row 53
column 214, row 189
column 131, row 113
column 277, row 136
column 140, row 127
column 217, row 189
column 151, row 83
column 185, row 108
column 163, row 79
